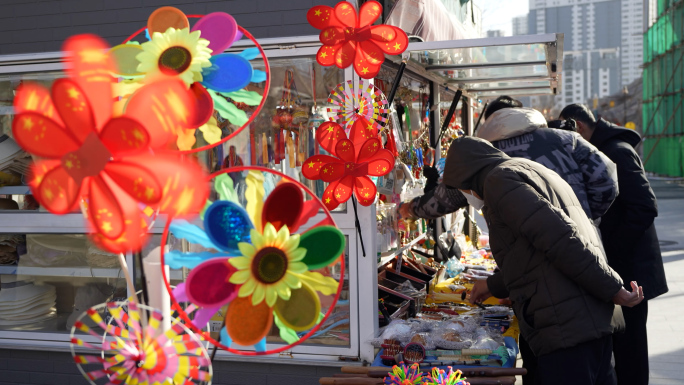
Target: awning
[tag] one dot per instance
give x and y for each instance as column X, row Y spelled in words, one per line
column 489, row 67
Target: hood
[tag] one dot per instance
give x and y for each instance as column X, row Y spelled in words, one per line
column 469, row 161
column 510, row 122
column 606, row 131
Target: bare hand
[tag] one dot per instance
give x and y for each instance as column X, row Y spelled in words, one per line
column 480, row 292
column 404, row 210
column 629, row 299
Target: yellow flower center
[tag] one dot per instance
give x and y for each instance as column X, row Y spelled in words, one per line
column 269, row 265
column 174, row 60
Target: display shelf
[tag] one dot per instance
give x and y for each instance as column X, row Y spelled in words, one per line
column 15, row 190
column 389, row 255
column 81, row 272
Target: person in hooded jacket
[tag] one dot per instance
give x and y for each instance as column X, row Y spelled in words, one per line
column 552, row 266
column 629, row 237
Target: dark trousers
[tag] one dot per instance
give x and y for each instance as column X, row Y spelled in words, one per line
column 587, row 363
column 529, row 362
column 631, row 347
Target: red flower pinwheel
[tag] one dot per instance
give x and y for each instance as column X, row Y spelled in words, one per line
column 106, row 160
column 356, row 159
column 348, row 38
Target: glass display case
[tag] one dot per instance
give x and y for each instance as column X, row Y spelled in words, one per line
column 49, row 271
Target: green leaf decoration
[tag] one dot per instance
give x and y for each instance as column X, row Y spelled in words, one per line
column 250, row 98
column 204, row 209
column 288, row 335
column 224, row 186
column 227, row 110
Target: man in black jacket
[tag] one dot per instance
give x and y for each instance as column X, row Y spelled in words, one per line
column 629, row 237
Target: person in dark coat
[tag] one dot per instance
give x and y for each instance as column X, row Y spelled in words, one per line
column 551, row 263
column 629, row 236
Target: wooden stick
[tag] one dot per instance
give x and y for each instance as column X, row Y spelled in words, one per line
column 364, row 369
column 351, row 381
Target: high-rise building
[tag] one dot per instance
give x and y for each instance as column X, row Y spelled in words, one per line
column 519, row 25
column 495, row 33
column 602, row 49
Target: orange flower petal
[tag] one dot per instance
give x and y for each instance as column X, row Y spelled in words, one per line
column 333, row 171
column 38, row 170
column 91, row 68
column 104, row 211
column 332, row 36
column 124, row 136
column 311, row 169
column 345, row 150
column 369, row 149
column 36, row 98
column 346, row 14
column 162, row 107
column 368, row 59
column 57, row 192
column 327, row 135
column 365, row 190
column 42, row 136
column 344, row 188
column 329, row 199
column 389, row 39
column 326, row 55
column 321, row 17
column 183, row 182
column 74, row 108
column 369, row 13
column 138, row 182
column 361, row 131
column 344, row 57
column 247, row 324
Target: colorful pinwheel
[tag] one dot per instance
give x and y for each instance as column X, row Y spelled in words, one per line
column 404, row 375
column 217, row 79
column 105, row 161
column 356, row 159
column 263, row 271
column 349, row 38
column 355, row 103
column 136, row 353
column 443, row 377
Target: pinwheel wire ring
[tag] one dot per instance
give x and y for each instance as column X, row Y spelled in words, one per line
column 267, row 85
column 195, row 358
column 205, row 335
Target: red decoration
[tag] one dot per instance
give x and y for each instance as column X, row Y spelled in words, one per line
column 356, row 159
column 105, row 161
column 349, row 38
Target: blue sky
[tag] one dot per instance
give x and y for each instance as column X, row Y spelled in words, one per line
column 497, row 14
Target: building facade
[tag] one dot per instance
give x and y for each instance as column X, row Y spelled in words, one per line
column 519, row 25
column 602, row 48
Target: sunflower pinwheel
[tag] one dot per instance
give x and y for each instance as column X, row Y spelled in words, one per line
column 263, row 269
column 444, row 377
column 357, row 158
column 349, row 38
column 404, row 375
column 137, row 353
column 108, row 163
column 195, row 56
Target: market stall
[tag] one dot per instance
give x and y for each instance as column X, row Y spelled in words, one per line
column 381, row 250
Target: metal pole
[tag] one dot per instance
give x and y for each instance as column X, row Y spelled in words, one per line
column 435, row 115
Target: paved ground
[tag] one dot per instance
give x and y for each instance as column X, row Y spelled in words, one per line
column 666, row 313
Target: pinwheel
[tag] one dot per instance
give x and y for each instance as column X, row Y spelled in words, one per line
column 443, row 377
column 358, row 104
column 196, row 56
column 260, row 267
column 91, row 156
column 404, row 375
column 125, row 351
column 349, row 38
column 355, row 160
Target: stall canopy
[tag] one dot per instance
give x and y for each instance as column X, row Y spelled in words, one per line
column 489, row 67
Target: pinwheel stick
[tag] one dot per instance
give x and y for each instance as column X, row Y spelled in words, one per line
column 449, row 115
column 213, row 352
column 395, row 84
column 358, row 226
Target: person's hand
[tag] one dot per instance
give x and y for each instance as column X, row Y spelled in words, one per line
column 629, row 299
column 404, row 210
column 480, row 292
column 506, row 301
